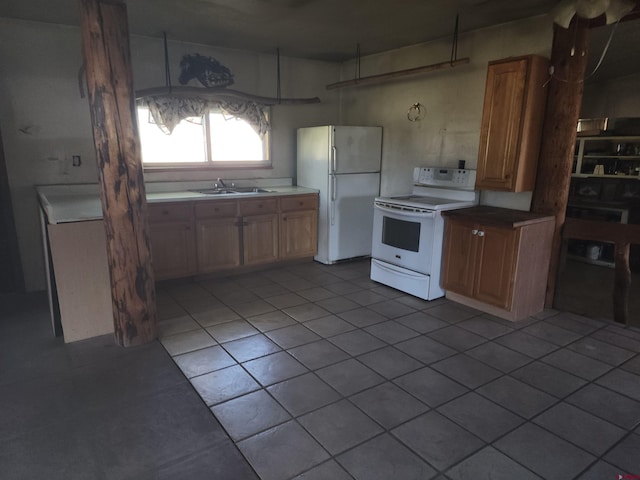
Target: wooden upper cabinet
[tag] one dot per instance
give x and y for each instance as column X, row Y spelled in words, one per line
column 511, row 130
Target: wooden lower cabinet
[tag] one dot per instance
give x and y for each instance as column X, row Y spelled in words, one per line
column 497, row 260
column 218, row 244
column 299, row 234
column 260, row 239
column 189, row 238
column 172, row 249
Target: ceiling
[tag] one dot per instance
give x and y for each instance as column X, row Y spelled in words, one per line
column 326, row 29
column 317, row 29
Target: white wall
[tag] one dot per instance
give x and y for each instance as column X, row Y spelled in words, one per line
column 44, row 121
column 453, row 99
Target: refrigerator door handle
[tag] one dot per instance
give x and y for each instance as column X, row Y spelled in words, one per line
column 334, row 154
column 333, row 195
column 334, row 188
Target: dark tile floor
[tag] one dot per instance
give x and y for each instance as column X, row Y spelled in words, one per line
column 315, row 372
column 318, row 373
column 91, row 410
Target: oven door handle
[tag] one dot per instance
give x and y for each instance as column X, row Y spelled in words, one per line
column 398, row 271
column 406, row 213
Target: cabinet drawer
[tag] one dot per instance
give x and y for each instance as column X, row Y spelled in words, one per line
column 258, row 206
column 170, row 212
column 306, row 202
column 216, row 209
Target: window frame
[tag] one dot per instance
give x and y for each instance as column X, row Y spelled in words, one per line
column 213, row 164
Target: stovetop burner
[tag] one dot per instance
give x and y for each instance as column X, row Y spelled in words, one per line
column 438, row 189
column 431, row 203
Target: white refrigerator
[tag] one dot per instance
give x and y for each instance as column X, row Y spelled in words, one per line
column 344, row 164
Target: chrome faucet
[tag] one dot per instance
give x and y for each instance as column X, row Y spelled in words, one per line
column 222, row 183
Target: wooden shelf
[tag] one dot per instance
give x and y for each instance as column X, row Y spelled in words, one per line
column 591, row 175
column 607, row 137
column 619, row 157
column 600, row 263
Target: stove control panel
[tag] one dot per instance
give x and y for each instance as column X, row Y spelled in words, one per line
column 445, row 177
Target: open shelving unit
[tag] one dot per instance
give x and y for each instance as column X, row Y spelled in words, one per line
column 618, row 155
column 604, row 188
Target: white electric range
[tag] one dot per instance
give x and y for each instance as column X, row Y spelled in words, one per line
column 408, row 230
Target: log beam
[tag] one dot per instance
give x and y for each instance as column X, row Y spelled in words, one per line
column 105, row 39
column 566, row 85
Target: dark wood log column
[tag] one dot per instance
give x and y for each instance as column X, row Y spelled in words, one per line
column 569, row 61
column 105, row 38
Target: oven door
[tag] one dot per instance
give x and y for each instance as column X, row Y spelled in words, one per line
column 404, row 236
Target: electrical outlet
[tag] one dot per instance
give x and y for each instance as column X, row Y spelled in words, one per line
column 77, row 161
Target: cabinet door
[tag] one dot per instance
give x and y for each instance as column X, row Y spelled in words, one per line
column 172, row 249
column 501, row 125
column 459, row 251
column 218, row 244
column 495, row 265
column 298, row 234
column 260, row 239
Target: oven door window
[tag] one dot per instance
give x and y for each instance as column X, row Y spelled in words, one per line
column 401, row 234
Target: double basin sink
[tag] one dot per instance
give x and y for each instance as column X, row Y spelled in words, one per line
column 231, row 190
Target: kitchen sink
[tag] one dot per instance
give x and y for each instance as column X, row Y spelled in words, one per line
column 250, row 190
column 231, row 191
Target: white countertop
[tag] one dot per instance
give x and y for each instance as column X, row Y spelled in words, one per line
column 78, row 203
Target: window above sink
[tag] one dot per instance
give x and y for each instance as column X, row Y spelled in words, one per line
column 212, row 140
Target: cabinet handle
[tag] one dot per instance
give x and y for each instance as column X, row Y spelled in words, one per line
column 481, row 233
column 474, row 231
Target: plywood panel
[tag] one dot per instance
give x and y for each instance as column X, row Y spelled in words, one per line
column 78, row 251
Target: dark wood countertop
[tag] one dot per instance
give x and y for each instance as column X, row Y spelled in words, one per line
column 501, row 217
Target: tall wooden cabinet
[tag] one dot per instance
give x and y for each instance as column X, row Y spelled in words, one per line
column 497, row 260
column 514, row 104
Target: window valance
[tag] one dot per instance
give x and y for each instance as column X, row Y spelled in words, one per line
column 169, row 110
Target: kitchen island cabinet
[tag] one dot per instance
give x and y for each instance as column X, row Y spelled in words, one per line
column 497, row 260
column 512, row 118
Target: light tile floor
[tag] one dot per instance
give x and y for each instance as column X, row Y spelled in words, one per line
column 316, row 372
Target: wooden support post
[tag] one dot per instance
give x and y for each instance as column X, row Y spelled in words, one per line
column 568, row 61
column 105, row 38
column 621, row 283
